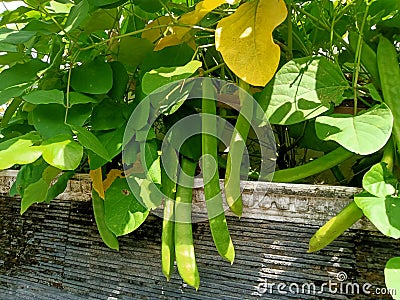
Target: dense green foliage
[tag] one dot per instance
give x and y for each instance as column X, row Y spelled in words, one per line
column 326, row 73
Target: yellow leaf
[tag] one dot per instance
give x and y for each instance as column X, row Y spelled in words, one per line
column 246, row 43
column 111, row 176
column 97, row 181
column 180, row 34
column 204, row 7
column 169, row 40
column 154, row 34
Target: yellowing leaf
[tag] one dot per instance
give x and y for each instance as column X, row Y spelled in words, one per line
column 154, row 32
column 246, row 43
column 179, row 34
column 97, row 181
column 111, row 176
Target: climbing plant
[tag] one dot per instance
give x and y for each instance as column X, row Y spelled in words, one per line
column 325, row 74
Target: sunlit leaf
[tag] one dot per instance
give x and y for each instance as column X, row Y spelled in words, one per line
column 77, row 15
column 392, row 277
column 10, row 36
column 383, row 212
column 246, row 43
column 159, row 77
column 159, row 26
column 355, row 133
column 62, row 152
column 379, row 182
column 180, row 34
column 302, row 89
column 20, row 150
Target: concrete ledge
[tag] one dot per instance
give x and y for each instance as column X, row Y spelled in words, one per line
column 281, row 202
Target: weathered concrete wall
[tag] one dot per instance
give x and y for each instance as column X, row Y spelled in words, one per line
column 54, row 251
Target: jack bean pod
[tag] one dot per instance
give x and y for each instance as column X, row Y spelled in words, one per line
column 212, row 190
column 184, row 248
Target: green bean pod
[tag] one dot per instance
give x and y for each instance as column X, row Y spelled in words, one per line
column 167, row 237
column 106, row 234
column 184, row 248
column 389, row 72
column 316, row 166
column 236, row 150
column 212, row 190
column 335, row 227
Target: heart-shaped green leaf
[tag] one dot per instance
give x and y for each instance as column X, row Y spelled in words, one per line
column 133, row 50
column 15, row 37
column 383, row 212
column 38, row 191
column 362, row 134
column 90, row 141
column 379, row 182
column 20, row 150
column 62, row 152
column 16, row 79
column 49, row 119
column 302, row 89
column 77, row 15
column 150, row 195
column 45, row 97
column 112, row 141
column 157, row 78
column 94, row 77
column 78, row 98
column 151, row 160
column 392, row 276
column 27, row 175
column 123, row 213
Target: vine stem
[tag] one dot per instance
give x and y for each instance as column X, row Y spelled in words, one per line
column 141, row 31
column 289, row 54
column 206, row 72
column 357, row 59
column 67, row 96
column 319, row 22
